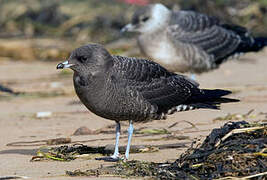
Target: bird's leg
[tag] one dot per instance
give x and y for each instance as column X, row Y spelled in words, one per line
column 193, row 77
column 130, row 133
column 118, row 131
column 115, row 156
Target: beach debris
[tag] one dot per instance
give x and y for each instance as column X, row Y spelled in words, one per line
column 236, row 116
column 7, row 90
column 58, row 141
column 43, row 114
column 56, row 85
column 55, row 141
column 153, row 131
column 13, row 177
column 240, row 153
column 68, row 153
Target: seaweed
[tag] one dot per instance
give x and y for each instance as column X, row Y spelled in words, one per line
column 68, row 153
column 237, row 149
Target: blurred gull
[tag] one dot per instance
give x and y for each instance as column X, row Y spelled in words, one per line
column 187, row 41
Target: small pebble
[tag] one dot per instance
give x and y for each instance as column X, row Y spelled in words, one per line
column 43, row 114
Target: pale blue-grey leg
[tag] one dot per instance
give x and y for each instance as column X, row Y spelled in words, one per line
column 130, row 133
column 193, row 77
column 115, row 156
column 118, row 131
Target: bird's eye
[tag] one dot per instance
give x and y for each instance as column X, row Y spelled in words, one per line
column 82, row 58
column 144, row 19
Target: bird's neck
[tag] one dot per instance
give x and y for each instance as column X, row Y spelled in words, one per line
column 88, row 81
column 91, row 91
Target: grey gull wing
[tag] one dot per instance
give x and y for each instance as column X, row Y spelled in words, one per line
column 203, row 32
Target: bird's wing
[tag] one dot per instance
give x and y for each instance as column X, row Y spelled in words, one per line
column 154, row 83
column 204, row 32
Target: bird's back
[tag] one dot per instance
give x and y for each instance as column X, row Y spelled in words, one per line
column 210, row 39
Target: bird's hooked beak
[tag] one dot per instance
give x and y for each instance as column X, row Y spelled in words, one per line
column 64, row 64
column 128, row 28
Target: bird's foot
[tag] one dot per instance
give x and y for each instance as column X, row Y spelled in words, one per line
column 193, row 77
column 124, row 159
column 110, row 158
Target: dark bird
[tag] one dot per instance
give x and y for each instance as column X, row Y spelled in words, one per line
column 187, row 41
column 121, row 88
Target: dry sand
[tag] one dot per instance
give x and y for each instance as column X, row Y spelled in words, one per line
column 246, row 77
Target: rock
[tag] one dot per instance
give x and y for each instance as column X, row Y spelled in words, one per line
column 83, row 131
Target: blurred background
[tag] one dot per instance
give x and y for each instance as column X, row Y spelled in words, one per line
column 49, row 29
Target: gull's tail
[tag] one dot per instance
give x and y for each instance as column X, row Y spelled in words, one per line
column 212, row 98
column 248, row 42
column 207, row 99
column 259, row 43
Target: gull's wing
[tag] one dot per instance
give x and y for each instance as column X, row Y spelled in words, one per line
column 204, row 33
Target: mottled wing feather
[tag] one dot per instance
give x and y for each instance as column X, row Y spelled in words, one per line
column 203, row 32
column 192, row 21
column 154, row 83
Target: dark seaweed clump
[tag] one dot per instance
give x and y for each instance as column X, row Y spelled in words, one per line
column 242, row 153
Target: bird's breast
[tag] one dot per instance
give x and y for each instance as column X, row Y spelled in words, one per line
column 89, row 92
column 162, row 51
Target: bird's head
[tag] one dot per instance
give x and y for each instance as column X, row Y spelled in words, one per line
column 148, row 19
column 88, row 59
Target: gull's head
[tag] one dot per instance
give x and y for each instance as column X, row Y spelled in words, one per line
column 88, row 59
column 149, row 19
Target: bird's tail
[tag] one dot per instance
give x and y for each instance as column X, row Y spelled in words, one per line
column 259, row 43
column 217, row 95
column 213, row 97
column 206, row 99
column 248, row 43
